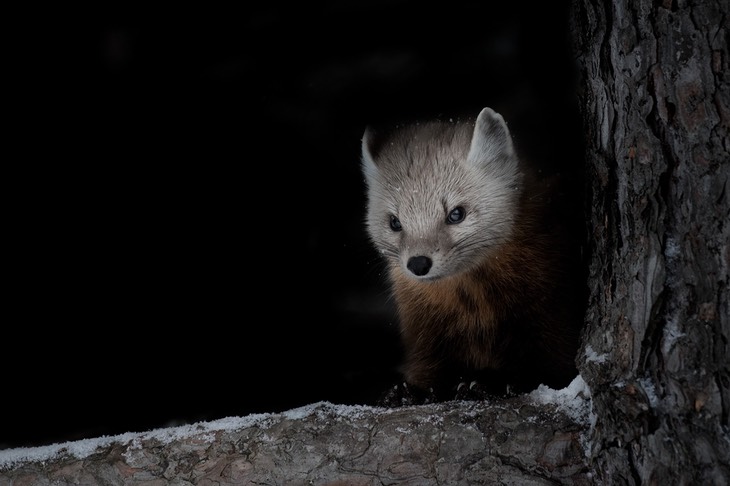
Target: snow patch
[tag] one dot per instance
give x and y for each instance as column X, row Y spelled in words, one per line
column 320, row 409
column 575, row 401
column 670, row 335
column 85, row 447
column 672, row 249
column 650, row 390
column 80, row 449
column 593, row 357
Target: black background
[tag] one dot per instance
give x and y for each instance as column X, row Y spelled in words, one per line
column 194, row 246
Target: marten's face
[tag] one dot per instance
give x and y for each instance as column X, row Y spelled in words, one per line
column 441, row 196
column 440, row 218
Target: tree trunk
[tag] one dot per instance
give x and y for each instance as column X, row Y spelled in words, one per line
column 655, row 356
column 656, row 110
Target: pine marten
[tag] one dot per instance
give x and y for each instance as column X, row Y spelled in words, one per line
column 479, row 268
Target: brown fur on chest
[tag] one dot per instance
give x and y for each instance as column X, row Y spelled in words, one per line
column 483, row 319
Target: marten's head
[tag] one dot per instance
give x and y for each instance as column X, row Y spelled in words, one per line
column 441, row 196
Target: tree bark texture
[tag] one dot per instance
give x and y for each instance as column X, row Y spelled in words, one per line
column 656, row 106
column 513, row 442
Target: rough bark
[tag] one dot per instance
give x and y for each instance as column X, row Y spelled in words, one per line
column 656, row 109
column 516, row 441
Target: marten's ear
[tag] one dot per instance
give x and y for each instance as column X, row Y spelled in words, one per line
column 368, row 149
column 491, row 139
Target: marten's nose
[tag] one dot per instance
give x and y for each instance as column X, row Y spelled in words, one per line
column 419, row 265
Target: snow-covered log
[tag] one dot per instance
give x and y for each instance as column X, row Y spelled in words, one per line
column 528, row 440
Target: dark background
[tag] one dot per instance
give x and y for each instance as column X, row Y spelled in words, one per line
column 195, row 247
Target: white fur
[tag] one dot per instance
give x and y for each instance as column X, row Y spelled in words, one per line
column 421, row 173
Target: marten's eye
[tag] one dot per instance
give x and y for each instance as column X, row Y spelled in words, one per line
column 395, row 224
column 455, row 216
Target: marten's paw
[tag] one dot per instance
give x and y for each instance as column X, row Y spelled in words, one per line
column 403, row 394
column 479, row 391
column 471, row 391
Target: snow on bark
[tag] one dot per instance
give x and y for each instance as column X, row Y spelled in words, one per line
column 533, row 440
